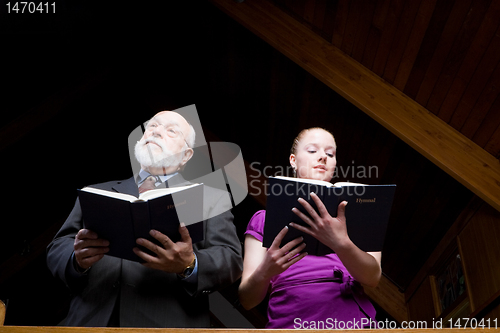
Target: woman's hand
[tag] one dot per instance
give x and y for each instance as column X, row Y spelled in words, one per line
column 331, row 231
column 277, row 259
column 261, row 264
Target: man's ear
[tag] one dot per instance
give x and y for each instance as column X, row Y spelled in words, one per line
column 188, row 153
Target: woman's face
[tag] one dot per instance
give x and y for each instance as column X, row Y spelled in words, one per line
column 315, row 157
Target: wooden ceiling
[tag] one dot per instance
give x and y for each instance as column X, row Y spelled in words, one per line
column 442, row 144
column 443, row 54
column 104, row 73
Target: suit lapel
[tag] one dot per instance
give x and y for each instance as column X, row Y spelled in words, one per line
column 127, row 186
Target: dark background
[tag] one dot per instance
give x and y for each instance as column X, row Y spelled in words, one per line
column 77, row 82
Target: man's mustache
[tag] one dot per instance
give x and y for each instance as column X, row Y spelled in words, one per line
column 154, row 140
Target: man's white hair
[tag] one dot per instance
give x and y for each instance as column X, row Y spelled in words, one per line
column 191, row 137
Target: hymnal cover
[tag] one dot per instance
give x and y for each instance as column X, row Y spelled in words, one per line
column 122, row 218
column 367, row 212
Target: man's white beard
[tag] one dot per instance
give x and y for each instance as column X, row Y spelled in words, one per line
column 148, row 158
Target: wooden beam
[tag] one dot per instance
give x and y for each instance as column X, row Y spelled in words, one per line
column 457, row 155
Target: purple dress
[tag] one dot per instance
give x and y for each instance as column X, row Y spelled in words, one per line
column 316, row 292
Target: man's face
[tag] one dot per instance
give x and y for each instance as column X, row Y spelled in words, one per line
column 163, row 144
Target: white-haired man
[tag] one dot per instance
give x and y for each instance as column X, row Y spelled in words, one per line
column 171, row 287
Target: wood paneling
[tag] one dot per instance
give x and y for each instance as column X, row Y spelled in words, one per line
column 390, row 299
column 421, row 305
column 481, row 256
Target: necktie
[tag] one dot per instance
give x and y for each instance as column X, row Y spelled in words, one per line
column 148, row 184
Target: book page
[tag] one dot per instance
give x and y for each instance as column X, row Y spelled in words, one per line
column 340, row 184
column 142, row 197
column 305, row 180
column 158, row 192
column 116, row 195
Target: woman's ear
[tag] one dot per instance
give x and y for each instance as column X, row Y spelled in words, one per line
column 293, row 162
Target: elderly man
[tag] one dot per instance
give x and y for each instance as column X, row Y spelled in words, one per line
column 171, row 287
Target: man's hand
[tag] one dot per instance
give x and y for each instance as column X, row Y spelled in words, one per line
column 89, row 248
column 170, row 257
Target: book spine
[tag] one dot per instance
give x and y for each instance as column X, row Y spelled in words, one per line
column 140, row 219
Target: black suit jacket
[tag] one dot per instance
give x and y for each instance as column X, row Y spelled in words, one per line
column 147, row 297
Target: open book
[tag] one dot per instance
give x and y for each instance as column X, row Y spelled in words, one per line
column 367, row 212
column 122, row 218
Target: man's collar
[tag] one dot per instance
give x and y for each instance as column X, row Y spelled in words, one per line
column 144, row 174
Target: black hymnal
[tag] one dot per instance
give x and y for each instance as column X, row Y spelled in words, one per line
column 367, row 212
column 122, row 218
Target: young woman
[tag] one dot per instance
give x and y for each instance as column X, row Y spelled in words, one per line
column 309, row 291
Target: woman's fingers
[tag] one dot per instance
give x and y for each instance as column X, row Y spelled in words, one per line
column 291, row 244
column 279, row 237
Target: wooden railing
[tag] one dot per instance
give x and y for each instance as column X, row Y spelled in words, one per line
column 38, row 329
